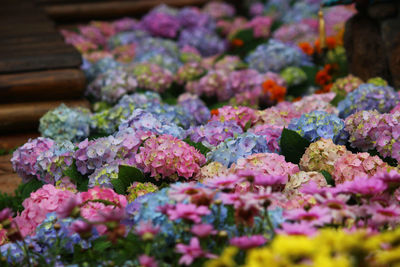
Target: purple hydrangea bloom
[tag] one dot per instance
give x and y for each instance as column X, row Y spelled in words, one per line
column 24, row 159
column 195, row 107
column 207, row 42
column 192, row 17
column 214, row 132
column 368, row 97
column 214, row 83
column 161, row 24
column 145, row 121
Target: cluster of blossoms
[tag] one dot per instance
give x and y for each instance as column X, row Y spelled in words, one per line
column 64, row 123
column 168, row 157
column 152, row 77
column 317, row 124
column 214, row 132
column 293, row 76
column 194, row 106
column 112, row 85
column 368, row 97
column 275, row 56
column 345, row 85
column 370, row 129
column 245, row 117
column 232, row 149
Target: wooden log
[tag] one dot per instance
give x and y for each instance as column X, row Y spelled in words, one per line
column 25, row 116
column 109, row 9
column 9, row 182
column 42, row 85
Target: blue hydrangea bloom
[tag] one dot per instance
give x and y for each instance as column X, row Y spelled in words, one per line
column 275, row 56
column 368, row 97
column 193, row 106
column 165, row 61
column 145, row 120
column 93, row 70
column 64, row 123
column 207, row 42
column 232, row 149
column 125, row 38
column 317, row 124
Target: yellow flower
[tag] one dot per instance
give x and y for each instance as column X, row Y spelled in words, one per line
column 260, row 257
column 225, row 260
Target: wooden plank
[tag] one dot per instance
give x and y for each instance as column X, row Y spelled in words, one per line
column 25, row 116
column 42, row 85
column 46, row 37
column 5, row 164
column 27, row 31
column 42, row 62
column 33, row 48
column 110, row 9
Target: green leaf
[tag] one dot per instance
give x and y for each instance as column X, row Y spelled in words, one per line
column 126, row 176
column 310, row 71
column 80, row 180
column 337, row 99
column 30, row 187
column 293, row 146
column 101, row 244
column 328, row 178
column 199, row 146
column 119, row 186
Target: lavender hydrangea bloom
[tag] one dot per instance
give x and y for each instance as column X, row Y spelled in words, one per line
column 112, row 85
column 319, row 124
column 195, row 107
column 64, row 123
column 161, row 24
column 214, row 83
column 368, row 97
column 165, row 61
column 103, row 176
column 172, row 114
column 232, row 149
column 214, row 132
column 92, row 155
column 301, row 10
column 159, row 45
column 192, row 17
column 140, row 100
column 145, row 121
column 275, row 56
column 125, row 38
column 53, row 162
column 244, row 80
column 24, row 159
column 207, row 42
column 101, row 66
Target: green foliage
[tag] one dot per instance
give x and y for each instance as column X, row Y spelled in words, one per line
column 328, row 178
column 293, row 146
column 80, row 180
column 249, row 42
column 199, row 146
column 337, row 99
column 126, row 176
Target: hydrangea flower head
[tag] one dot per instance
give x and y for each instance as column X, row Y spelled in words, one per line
column 25, row 157
column 345, row 85
column 207, row 42
column 317, row 124
column 245, row 117
column 168, row 157
column 322, row 155
column 46, row 199
column 293, row 76
column 275, row 56
column 214, row 132
column 214, row 83
column 161, row 24
column 152, row 77
column 194, row 106
column 350, row 166
column 368, row 97
column 241, row 146
column 64, row 123
column 137, row 189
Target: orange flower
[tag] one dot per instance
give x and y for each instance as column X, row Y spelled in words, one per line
column 327, row 88
column 215, row 112
column 237, row 42
column 317, row 46
column 307, row 48
column 331, row 43
column 275, row 92
column 323, row 77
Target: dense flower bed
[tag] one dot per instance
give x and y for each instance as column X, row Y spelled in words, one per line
column 216, row 140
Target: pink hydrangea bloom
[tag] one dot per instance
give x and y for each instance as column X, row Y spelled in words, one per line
column 95, row 211
column 297, row 182
column 279, row 115
column 166, row 156
column 46, row 199
column 350, row 166
column 261, row 26
column 272, row 134
column 267, row 163
column 316, row 102
column 243, row 116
